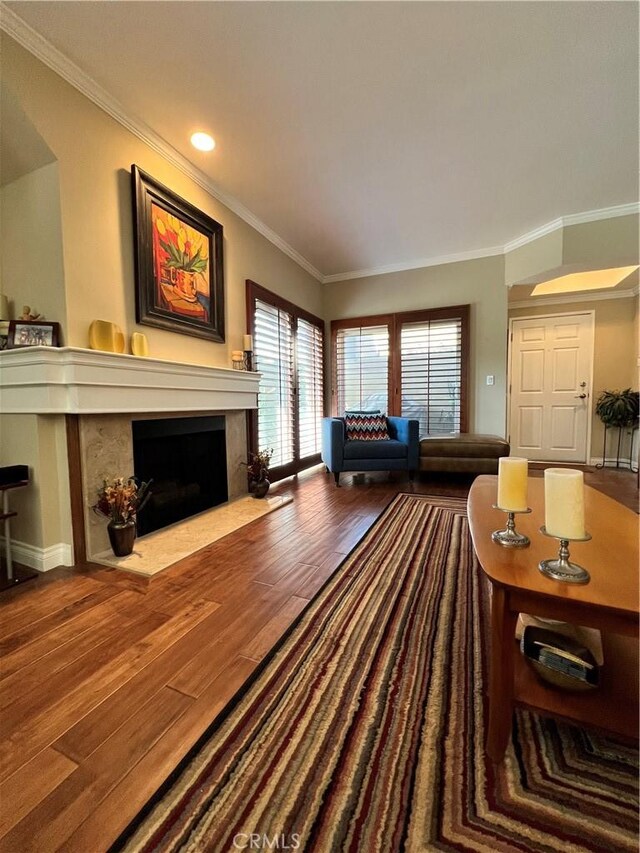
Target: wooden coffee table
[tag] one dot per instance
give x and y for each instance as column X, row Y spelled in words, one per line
column 608, row 602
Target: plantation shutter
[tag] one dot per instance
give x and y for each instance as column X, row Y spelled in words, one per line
column 309, row 352
column 362, row 368
column 431, row 373
column 273, row 351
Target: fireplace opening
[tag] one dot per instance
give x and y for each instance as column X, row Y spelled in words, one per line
column 187, row 460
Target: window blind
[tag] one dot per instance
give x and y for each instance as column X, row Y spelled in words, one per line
column 431, row 374
column 273, row 351
column 309, row 358
column 362, row 368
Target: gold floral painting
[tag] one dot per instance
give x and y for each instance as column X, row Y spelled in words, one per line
column 179, row 265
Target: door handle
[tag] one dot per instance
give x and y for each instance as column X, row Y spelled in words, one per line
column 579, row 396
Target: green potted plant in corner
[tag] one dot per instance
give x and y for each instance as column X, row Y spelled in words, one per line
column 618, row 408
column 258, row 472
column 120, row 501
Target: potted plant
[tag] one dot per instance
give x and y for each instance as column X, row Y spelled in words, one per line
column 618, row 408
column 258, row 471
column 120, row 501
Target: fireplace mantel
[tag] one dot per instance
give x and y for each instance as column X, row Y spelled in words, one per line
column 69, row 380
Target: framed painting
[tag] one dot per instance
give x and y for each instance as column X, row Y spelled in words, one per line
column 33, row 333
column 179, row 268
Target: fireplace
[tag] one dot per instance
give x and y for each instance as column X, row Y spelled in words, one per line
column 95, row 397
column 187, row 460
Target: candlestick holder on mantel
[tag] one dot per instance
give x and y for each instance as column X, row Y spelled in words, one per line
column 509, row 537
column 562, row 569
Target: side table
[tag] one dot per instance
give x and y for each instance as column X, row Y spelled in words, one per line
column 609, row 602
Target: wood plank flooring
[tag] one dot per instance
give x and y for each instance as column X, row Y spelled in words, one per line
column 107, row 679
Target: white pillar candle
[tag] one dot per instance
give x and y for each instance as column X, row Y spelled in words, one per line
column 512, row 483
column 248, row 343
column 564, row 503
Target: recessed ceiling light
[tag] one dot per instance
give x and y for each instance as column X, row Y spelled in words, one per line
column 591, row 280
column 203, row 142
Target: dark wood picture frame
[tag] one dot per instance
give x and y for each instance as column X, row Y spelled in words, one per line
column 33, row 333
column 169, row 294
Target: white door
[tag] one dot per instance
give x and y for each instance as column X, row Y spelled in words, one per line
column 551, row 362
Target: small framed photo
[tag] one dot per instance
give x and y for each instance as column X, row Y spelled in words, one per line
column 33, row 333
column 179, row 267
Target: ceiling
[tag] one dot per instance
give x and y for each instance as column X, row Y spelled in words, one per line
column 370, row 134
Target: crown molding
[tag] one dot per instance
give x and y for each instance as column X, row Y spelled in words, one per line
column 414, row 265
column 529, row 237
column 567, row 298
column 572, row 219
column 36, row 44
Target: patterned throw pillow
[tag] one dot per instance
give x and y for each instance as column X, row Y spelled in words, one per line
column 366, row 427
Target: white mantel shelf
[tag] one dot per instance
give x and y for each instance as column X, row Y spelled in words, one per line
column 68, row 380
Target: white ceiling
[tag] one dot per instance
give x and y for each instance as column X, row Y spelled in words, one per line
column 368, row 134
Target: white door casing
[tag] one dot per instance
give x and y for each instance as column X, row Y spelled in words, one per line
column 551, row 368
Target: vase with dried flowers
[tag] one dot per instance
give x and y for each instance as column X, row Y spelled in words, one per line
column 258, row 471
column 120, row 501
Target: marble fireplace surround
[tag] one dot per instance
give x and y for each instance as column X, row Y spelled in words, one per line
column 106, row 446
column 106, row 392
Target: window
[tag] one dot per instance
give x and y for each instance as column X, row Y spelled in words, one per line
column 362, row 367
column 288, row 348
column 310, row 361
column 412, row 364
column 273, row 352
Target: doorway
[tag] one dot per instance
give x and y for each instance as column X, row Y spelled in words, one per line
column 550, row 385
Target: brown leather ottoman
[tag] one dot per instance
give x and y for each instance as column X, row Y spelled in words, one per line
column 462, row 452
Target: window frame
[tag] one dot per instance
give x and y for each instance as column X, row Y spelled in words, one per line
column 394, row 323
column 256, row 291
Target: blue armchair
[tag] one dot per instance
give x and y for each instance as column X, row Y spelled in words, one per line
column 400, row 453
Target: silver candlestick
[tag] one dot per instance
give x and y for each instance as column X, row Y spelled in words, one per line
column 562, row 569
column 509, row 537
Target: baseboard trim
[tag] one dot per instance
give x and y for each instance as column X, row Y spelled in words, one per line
column 40, row 559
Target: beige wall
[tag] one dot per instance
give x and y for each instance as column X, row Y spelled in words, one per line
column 479, row 283
column 31, row 245
column 606, row 242
column 615, row 348
column 530, row 259
column 94, row 154
column 591, row 245
column 81, row 268
column 44, row 506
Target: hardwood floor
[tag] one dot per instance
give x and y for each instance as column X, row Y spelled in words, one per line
column 107, row 679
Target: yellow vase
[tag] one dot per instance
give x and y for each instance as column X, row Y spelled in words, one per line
column 106, row 336
column 139, row 344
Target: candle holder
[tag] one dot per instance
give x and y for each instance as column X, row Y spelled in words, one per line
column 248, row 359
column 562, row 569
column 509, row 537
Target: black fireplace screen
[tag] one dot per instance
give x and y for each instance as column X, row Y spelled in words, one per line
column 186, row 459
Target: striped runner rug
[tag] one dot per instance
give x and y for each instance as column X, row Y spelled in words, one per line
column 364, row 729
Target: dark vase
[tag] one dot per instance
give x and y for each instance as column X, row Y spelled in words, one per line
column 122, row 536
column 260, row 488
